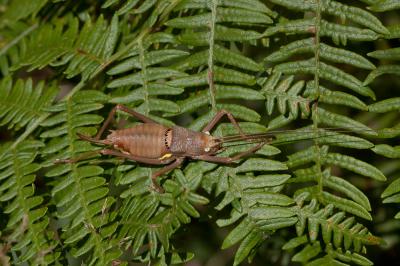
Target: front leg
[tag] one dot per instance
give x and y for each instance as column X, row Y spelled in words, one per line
column 228, row 160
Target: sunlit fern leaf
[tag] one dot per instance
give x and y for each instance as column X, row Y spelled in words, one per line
column 251, row 231
column 384, row 5
column 24, row 213
column 337, row 234
column 221, row 55
column 327, row 52
column 252, row 5
column 139, row 79
column 356, row 202
column 392, row 194
column 178, row 59
column 331, row 182
column 224, row 15
column 239, row 189
column 82, row 50
column 322, row 136
column 324, row 67
column 340, row 34
column 286, row 96
column 211, row 24
column 15, row 12
column 256, row 197
column 201, row 99
column 387, row 54
column 130, row 6
column 333, row 97
column 327, row 72
column 381, row 70
column 314, row 254
column 369, row 2
column 22, row 103
column 151, row 219
column 331, row 119
column 389, row 105
column 394, row 31
column 333, row 227
column 79, row 190
column 331, row 7
column 59, row 38
column 12, row 34
column 341, row 160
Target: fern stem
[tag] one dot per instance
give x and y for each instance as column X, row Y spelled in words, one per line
column 43, row 117
column 144, row 77
column 26, row 222
column 82, row 201
column 120, row 53
column 29, row 130
column 317, row 48
column 210, row 76
column 81, row 84
column 316, row 81
column 142, row 34
column 18, row 38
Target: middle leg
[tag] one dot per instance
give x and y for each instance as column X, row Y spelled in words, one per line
column 178, row 161
column 164, row 170
column 218, row 117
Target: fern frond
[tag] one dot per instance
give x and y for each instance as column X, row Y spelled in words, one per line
column 15, row 12
column 22, row 103
column 392, row 193
column 82, row 51
column 360, row 206
column 311, row 254
column 26, row 224
column 326, row 72
column 308, row 66
column 141, row 72
column 212, row 25
column 12, row 35
column 335, row 228
column 149, row 220
column 254, row 197
column 384, row 5
column 326, row 85
column 334, row 8
column 342, row 238
column 80, row 191
column 130, row 6
column 285, row 95
column 327, row 52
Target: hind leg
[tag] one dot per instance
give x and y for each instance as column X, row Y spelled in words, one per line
column 127, row 110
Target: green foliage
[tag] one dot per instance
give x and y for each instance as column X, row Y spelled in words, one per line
column 307, row 66
column 21, row 103
column 27, row 222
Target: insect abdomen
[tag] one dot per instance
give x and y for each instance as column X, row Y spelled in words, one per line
column 144, row 140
